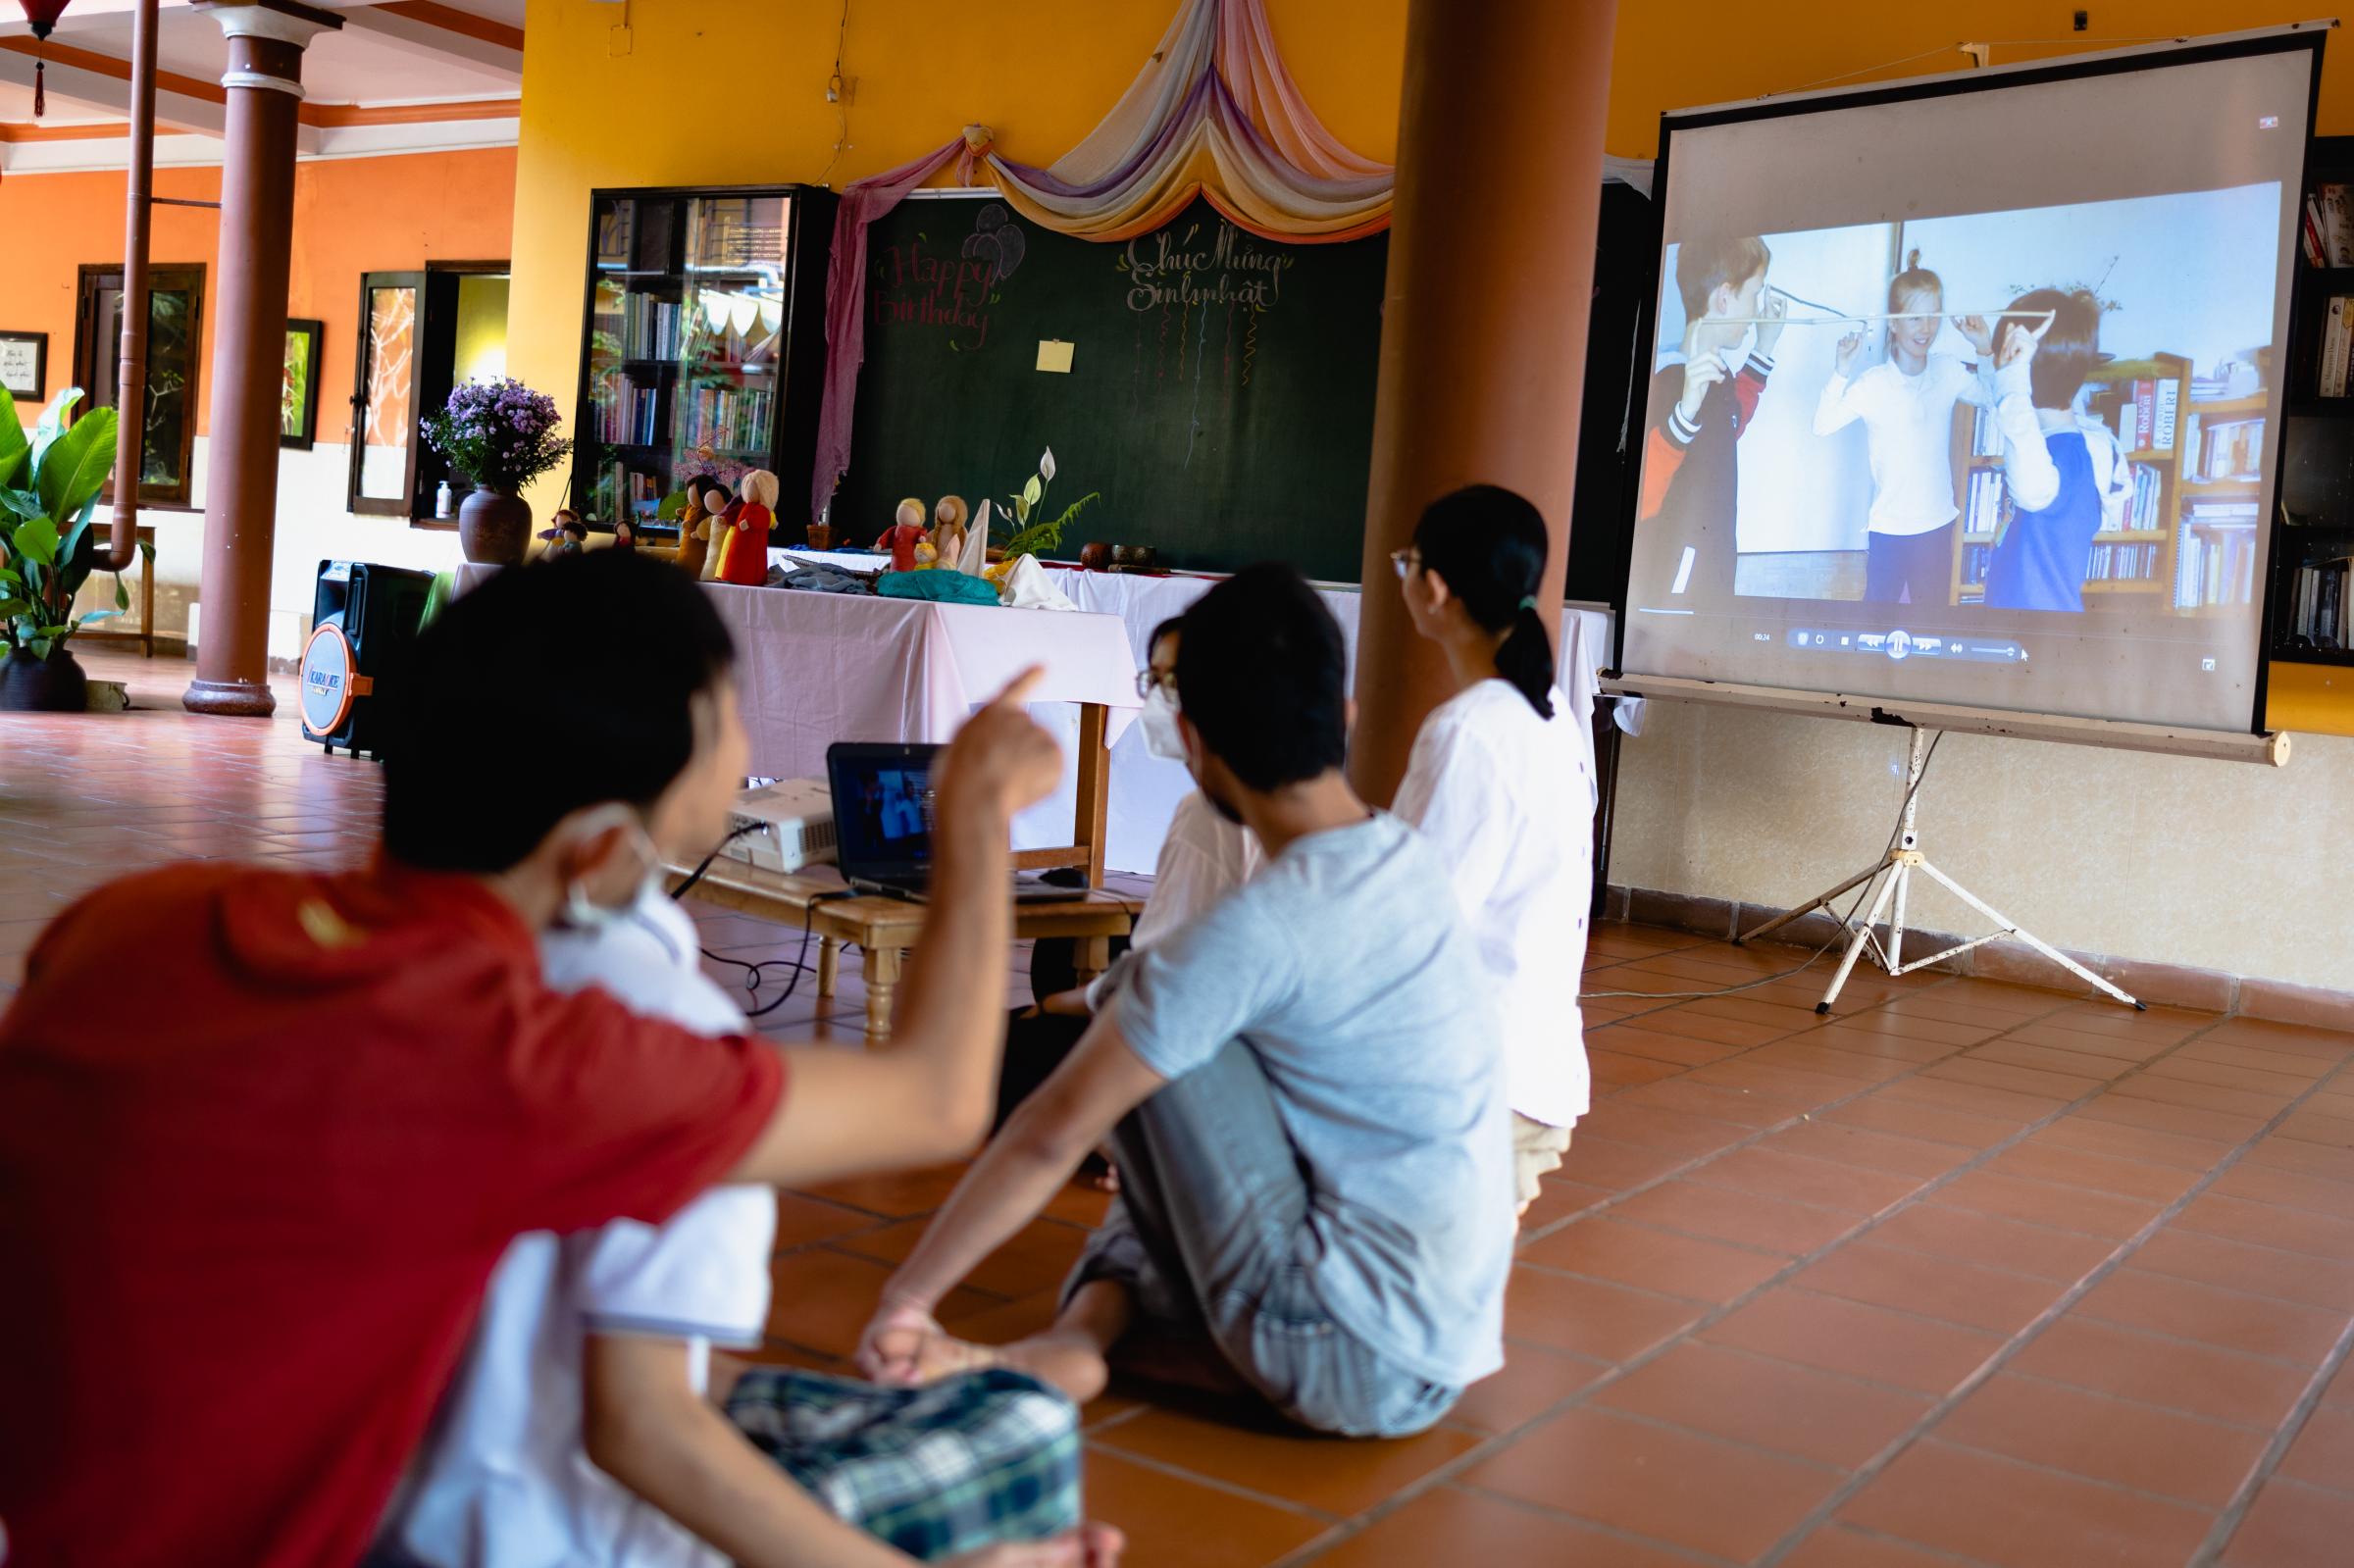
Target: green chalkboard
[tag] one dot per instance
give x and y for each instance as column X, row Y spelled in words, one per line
column 1220, row 395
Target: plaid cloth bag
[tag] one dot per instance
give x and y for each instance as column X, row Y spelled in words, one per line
column 948, row 1468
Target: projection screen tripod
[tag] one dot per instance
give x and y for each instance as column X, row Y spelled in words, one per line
column 1896, row 867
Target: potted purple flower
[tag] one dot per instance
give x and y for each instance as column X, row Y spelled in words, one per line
column 501, row 435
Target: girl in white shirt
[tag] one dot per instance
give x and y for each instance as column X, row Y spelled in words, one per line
column 1499, row 783
column 1907, row 405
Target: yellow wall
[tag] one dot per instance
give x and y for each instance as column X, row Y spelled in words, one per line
column 480, row 350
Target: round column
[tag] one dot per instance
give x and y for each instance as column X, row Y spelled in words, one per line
column 1483, row 342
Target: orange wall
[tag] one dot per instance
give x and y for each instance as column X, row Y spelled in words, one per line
column 351, row 215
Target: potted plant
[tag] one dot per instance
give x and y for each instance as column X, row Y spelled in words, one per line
column 501, row 435
column 1032, row 535
column 49, row 484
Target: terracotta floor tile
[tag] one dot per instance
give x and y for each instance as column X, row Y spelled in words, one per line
column 1765, row 1403
column 2230, row 1074
column 1972, row 1099
column 2023, row 1517
column 823, row 1299
column 1651, row 1259
column 1336, row 1476
column 1837, row 1546
column 2044, row 1032
column 2157, row 1116
column 2270, row 1225
column 1534, row 1381
column 2311, row 1127
column 1796, row 1053
column 2286, row 1063
column 2049, row 1059
column 1450, row 1525
column 2046, row 1203
column 1833, row 1335
column 2180, row 1457
column 801, row 1221
column 1037, row 1258
column 1691, row 1024
column 1658, row 1482
column 2290, row 1189
column 1674, row 1131
column 2241, row 1266
column 1590, row 1318
column 1680, row 1051
column 2197, row 1379
column 898, row 1196
column 2259, row 1108
column 1933, row 1124
column 1907, row 1049
column 1795, row 1086
column 2037, row 1161
column 1605, row 1162
column 2297, row 1040
column 2291, row 1525
column 1722, row 1214
column 2117, row 1140
column 1174, row 1523
column 986, row 1321
column 2228, row 1318
column 1616, row 1070
column 1971, row 1237
column 1963, row 1294
column 1772, row 1173
column 1559, row 1200
column 1896, row 1156
column 1747, row 1112
column 2034, row 1082
column 1922, row 1019
column 2323, row 1454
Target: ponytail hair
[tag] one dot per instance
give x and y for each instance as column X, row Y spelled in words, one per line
column 1489, row 545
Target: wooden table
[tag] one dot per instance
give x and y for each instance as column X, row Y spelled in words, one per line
column 885, row 929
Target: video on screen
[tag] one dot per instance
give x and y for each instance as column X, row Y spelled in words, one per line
column 1974, row 394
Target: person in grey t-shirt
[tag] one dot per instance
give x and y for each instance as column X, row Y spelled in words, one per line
column 1305, row 1089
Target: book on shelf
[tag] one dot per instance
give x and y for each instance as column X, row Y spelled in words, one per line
column 2146, row 414
column 2229, row 449
column 2149, row 490
column 2215, row 559
column 2321, row 607
column 2309, row 233
column 652, row 331
column 1985, row 435
column 726, row 418
column 2337, row 224
column 2166, row 403
column 2337, row 347
column 1974, row 565
column 1982, row 515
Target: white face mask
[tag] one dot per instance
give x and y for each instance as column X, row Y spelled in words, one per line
column 582, row 913
column 1161, row 736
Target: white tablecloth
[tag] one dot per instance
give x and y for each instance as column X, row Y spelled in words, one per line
column 817, row 668
column 1145, row 789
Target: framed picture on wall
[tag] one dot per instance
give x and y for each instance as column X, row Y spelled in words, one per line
column 298, row 392
column 25, row 364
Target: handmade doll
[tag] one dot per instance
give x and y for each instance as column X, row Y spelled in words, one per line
column 947, row 529
column 744, row 552
column 624, row 535
column 904, row 533
column 694, row 528
column 564, row 535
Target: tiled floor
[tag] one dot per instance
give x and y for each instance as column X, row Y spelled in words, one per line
column 1966, row 1274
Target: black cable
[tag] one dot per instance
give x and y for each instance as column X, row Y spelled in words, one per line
column 1844, row 928
column 753, row 973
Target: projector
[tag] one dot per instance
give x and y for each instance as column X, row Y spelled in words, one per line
column 783, row 825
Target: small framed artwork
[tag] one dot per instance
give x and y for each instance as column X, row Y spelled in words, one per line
column 298, row 392
column 25, row 364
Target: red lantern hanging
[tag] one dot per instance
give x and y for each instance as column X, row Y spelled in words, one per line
column 43, row 14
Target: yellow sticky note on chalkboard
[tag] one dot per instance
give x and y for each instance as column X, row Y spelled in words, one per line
column 1053, row 354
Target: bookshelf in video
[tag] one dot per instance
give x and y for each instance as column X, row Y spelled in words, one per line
column 2195, row 445
column 2313, row 599
column 688, row 360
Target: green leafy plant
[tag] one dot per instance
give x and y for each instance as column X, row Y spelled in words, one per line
column 1029, row 537
column 49, row 484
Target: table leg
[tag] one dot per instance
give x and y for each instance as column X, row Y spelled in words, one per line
column 881, row 979
column 829, row 964
column 1092, row 958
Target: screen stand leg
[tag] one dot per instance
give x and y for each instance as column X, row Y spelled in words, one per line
column 1894, row 871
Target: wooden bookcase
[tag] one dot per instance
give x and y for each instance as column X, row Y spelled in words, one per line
column 2314, row 523
column 2165, row 522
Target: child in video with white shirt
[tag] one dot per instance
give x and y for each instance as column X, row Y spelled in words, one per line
column 1500, row 781
column 1907, row 403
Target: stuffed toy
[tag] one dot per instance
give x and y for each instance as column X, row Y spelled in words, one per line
column 947, row 529
column 564, row 535
column 694, row 526
column 624, row 535
column 743, row 551
column 903, row 535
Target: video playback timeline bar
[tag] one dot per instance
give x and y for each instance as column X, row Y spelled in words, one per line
column 1901, row 645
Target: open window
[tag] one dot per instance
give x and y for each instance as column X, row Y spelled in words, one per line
column 421, row 335
column 175, row 340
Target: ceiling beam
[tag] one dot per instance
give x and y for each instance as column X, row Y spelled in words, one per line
column 441, row 31
column 181, row 102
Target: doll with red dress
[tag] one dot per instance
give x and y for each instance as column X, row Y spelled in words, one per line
column 743, row 551
column 903, row 535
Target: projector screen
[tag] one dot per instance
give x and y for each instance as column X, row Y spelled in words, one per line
column 1970, row 391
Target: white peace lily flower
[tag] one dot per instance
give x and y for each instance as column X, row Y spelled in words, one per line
column 1045, row 466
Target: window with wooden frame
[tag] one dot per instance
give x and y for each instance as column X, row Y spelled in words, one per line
column 421, row 334
column 174, row 343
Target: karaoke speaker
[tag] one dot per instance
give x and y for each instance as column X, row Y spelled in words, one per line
column 363, row 617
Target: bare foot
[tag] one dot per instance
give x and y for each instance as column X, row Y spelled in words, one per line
column 1070, row 1362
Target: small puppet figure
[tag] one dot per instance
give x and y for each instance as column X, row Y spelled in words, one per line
column 624, row 535
column 947, row 529
column 904, row 533
column 744, row 552
column 564, row 535
column 695, row 527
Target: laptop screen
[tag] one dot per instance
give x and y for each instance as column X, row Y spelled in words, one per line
column 882, row 808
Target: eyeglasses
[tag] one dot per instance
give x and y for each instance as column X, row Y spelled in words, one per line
column 1148, row 677
column 1406, row 561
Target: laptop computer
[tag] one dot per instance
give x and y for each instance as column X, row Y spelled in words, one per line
column 882, row 822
